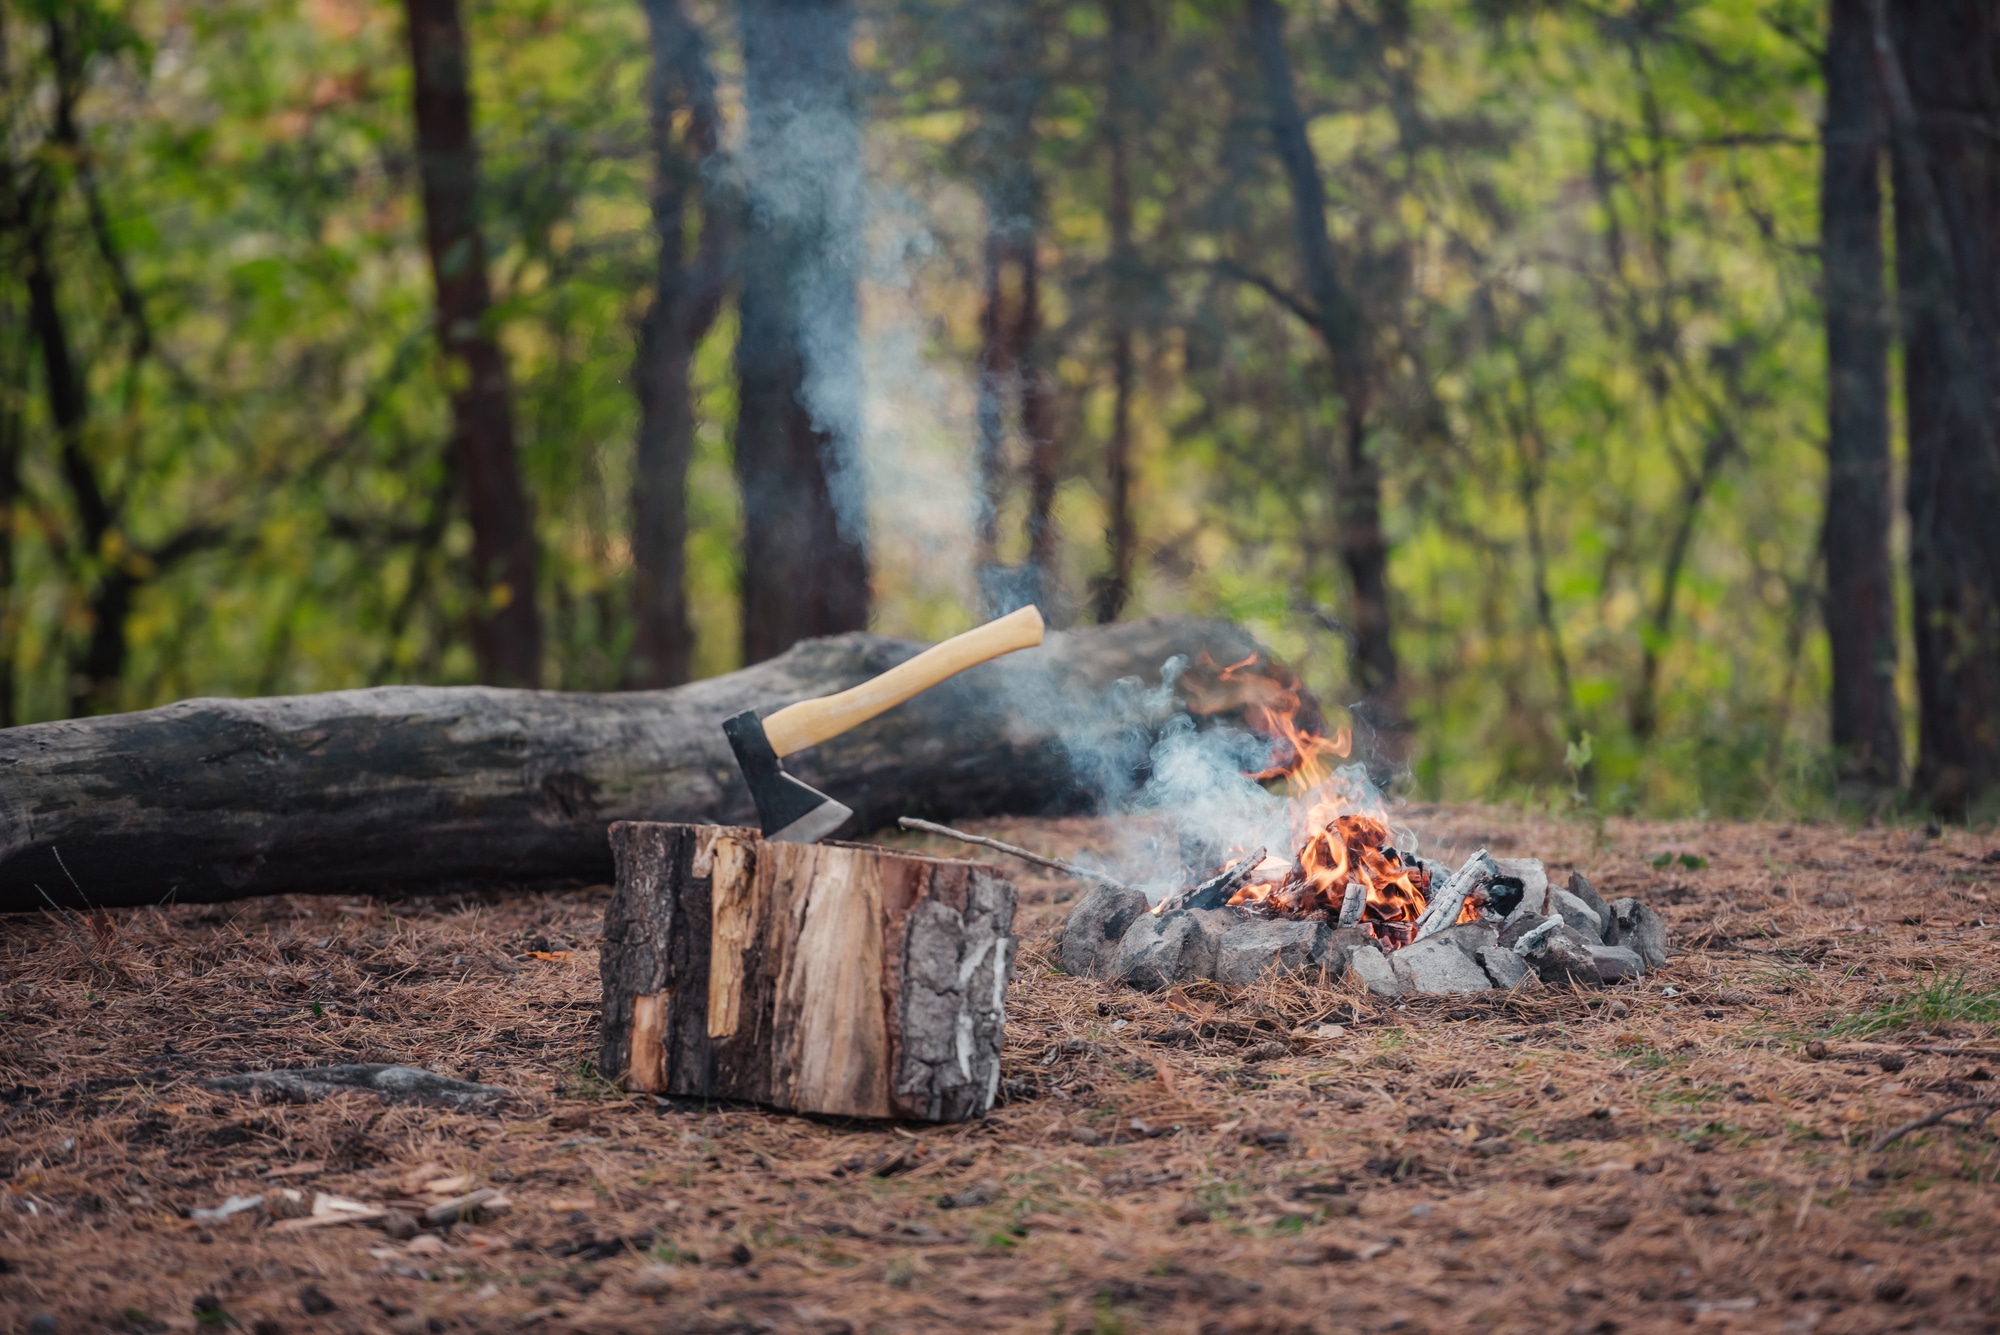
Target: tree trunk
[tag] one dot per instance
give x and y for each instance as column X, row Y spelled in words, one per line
column 1936, row 61
column 409, row 787
column 506, row 630
column 95, row 670
column 805, row 562
column 686, row 294
column 1363, row 546
column 1860, row 598
column 13, row 397
column 1010, row 328
column 821, row 978
column 1116, row 587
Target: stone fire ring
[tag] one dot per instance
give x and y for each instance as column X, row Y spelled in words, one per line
column 1559, row 936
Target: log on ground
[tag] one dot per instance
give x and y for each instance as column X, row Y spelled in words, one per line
column 823, row 978
column 413, row 787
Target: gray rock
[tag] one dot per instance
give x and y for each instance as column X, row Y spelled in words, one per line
column 1503, row 966
column 1534, row 879
column 1559, row 955
column 1617, row 962
column 1584, row 920
column 1369, row 965
column 1580, row 886
column 1249, row 949
column 1469, row 937
column 1639, row 929
column 396, row 1084
column 1161, row 949
column 1436, row 965
column 1338, row 949
column 1519, row 925
column 1096, row 925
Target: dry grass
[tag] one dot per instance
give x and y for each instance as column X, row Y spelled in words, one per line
column 1616, row 1161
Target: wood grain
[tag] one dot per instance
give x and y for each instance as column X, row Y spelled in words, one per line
column 827, row 978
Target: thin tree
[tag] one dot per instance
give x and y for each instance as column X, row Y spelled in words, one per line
column 687, row 292
column 1120, row 129
column 1337, row 319
column 506, row 630
column 805, row 562
column 1860, row 598
column 1936, row 62
column 1007, row 81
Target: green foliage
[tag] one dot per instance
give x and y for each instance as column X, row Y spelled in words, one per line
column 1584, row 238
column 1948, row 999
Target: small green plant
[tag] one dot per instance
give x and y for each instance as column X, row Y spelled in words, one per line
column 1946, row 1000
column 899, row 1274
column 1577, row 756
column 1691, row 861
column 318, row 1010
column 668, row 1254
column 588, row 1084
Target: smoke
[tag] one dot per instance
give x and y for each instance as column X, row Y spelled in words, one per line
column 1181, row 785
column 803, row 182
column 830, row 189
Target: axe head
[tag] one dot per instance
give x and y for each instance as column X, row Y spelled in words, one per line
column 789, row 810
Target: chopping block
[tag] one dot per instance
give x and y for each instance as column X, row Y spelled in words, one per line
column 822, row 978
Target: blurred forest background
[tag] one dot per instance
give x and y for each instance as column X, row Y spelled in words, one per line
column 1474, row 352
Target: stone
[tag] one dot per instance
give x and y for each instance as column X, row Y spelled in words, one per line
column 1095, row 928
column 1534, row 879
column 1249, row 949
column 1503, row 966
column 1580, row 886
column 1368, row 964
column 1161, row 949
column 1437, row 965
column 1559, row 955
column 1615, row 963
column 1518, row 926
column 1639, row 929
column 394, row 1084
column 1469, row 937
column 1338, row 949
column 1584, row 920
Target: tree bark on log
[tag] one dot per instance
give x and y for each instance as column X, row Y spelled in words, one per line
column 824, row 978
column 423, row 787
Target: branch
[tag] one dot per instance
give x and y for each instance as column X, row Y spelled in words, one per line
column 1889, row 1138
column 1296, row 305
column 1057, row 864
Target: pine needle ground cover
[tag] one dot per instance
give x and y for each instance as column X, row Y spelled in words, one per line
column 1283, row 1158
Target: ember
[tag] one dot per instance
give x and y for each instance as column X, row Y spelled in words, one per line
column 1349, row 901
column 1340, row 849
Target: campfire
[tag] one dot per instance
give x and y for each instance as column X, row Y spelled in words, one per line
column 1347, row 898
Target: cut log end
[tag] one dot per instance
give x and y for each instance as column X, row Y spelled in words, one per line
column 825, row 978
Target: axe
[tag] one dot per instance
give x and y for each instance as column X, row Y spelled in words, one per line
column 801, row 814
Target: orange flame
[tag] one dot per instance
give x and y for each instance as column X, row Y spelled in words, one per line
column 1338, row 828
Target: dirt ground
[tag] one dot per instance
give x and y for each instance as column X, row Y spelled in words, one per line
column 1657, row 1156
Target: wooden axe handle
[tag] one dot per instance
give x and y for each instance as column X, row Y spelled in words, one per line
column 798, row 726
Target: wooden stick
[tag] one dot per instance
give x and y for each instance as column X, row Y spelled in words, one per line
column 1478, row 872
column 1069, row 868
column 1889, row 1138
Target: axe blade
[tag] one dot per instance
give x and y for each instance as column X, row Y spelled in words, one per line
column 787, row 809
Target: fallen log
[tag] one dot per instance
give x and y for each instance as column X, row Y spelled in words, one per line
column 821, row 978
column 425, row 787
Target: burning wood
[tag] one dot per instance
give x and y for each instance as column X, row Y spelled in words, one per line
column 1349, row 898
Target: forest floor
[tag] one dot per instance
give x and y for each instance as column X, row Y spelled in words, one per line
column 1628, row 1160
